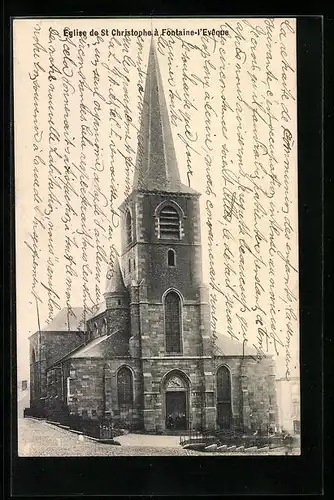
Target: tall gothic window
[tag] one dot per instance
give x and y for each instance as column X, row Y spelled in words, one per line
column 224, row 410
column 173, row 322
column 124, row 388
column 128, row 225
column 169, row 223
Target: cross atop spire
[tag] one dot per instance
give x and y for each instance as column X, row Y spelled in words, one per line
column 156, row 164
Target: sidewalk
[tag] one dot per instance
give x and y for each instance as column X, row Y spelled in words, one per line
column 149, row 440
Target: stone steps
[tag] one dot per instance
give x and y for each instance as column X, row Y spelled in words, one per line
column 221, row 448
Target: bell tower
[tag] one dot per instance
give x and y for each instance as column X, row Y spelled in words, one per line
column 161, row 217
column 161, row 262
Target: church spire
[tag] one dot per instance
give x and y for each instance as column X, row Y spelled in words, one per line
column 114, row 281
column 156, row 165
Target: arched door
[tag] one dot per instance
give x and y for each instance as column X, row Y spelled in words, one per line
column 177, row 413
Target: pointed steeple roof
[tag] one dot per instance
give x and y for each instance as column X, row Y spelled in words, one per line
column 156, row 164
column 114, row 280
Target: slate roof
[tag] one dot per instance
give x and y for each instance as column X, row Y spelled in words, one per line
column 91, row 350
column 114, row 280
column 156, row 165
column 231, row 347
column 60, row 321
column 98, row 309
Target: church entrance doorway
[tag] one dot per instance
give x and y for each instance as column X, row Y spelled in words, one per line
column 176, row 411
column 176, row 404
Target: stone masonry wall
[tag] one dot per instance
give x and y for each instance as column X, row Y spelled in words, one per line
column 53, row 346
column 154, row 343
column 253, row 394
column 93, row 389
column 253, row 391
column 156, row 373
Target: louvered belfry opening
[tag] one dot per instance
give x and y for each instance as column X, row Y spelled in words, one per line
column 173, row 323
column 169, row 223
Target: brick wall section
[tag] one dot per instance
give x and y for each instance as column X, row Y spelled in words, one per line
column 260, row 394
column 155, row 375
column 115, row 318
column 93, row 387
column 154, row 345
column 253, row 392
column 254, row 402
column 150, row 253
column 54, row 346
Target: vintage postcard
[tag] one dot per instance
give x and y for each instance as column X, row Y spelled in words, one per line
column 156, row 236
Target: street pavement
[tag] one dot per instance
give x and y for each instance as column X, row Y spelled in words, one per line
column 149, row 440
column 37, row 438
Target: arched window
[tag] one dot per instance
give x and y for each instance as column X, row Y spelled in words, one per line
column 173, row 322
column 104, row 327
column 128, row 224
column 171, row 258
column 124, row 388
column 224, row 410
column 169, row 223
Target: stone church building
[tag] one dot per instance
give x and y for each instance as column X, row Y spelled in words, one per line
column 146, row 358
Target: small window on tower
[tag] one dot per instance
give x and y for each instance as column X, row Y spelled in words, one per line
column 129, row 265
column 119, row 302
column 171, row 258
